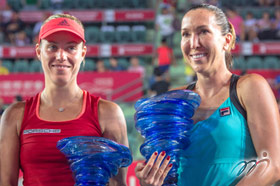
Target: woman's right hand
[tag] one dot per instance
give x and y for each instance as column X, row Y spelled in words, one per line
column 153, row 172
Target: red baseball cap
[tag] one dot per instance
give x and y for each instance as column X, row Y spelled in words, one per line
column 61, row 24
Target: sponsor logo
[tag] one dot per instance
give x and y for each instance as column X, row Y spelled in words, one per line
column 63, row 23
column 247, row 167
column 225, row 111
column 37, row 131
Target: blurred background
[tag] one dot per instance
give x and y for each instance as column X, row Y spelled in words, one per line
column 133, row 47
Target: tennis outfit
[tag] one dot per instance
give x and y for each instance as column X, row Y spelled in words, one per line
column 218, row 144
column 41, row 162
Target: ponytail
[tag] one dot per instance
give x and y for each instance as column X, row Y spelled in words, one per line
column 228, row 55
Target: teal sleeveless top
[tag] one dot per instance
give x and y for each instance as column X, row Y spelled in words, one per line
column 218, row 144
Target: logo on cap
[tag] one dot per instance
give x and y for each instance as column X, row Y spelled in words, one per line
column 63, row 23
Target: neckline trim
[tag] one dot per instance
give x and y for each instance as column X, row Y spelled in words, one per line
column 80, row 114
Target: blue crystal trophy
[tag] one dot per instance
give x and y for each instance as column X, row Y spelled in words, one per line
column 164, row 122
column 94, row 160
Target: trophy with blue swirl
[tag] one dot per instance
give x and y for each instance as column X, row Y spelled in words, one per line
column 94, row 160
column 164, row 122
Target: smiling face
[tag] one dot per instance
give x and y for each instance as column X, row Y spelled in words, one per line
column 203, row 44
column 61, row 55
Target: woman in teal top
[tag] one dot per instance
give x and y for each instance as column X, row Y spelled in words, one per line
column 213, row 153
column 237, row 121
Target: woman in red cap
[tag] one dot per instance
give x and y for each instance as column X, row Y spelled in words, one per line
column 30, row 129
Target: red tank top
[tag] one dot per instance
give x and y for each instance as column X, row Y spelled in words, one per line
column 164, row 55
column 41, row 162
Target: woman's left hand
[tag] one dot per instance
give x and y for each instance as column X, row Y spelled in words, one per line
column 153, row 172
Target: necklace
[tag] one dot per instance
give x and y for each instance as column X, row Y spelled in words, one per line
column 62, row 109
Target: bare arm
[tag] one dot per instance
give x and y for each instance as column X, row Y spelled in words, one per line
column 9, row 144
column 113, row 126
column 264, row 125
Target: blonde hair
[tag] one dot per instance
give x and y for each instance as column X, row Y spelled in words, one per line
column 55, row 16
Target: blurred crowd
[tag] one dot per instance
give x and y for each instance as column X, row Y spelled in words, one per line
column 249, row 27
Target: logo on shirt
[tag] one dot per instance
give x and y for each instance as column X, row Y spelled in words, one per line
column 41, row 131
column 225, row 111
column 245, row 168
column 63, row 23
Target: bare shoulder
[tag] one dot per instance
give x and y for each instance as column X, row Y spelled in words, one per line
column 14, row 110
column 108, row 108
column 251, row 83
column 13, row 115
column 112, row 121
column 253, row 87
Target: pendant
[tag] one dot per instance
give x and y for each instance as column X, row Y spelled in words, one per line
column 61, row 109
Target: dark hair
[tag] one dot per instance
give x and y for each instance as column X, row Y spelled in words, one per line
column 164, row 40
column 225, row 25
column 231, row 8
column 158, row 72
column 18, row 98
